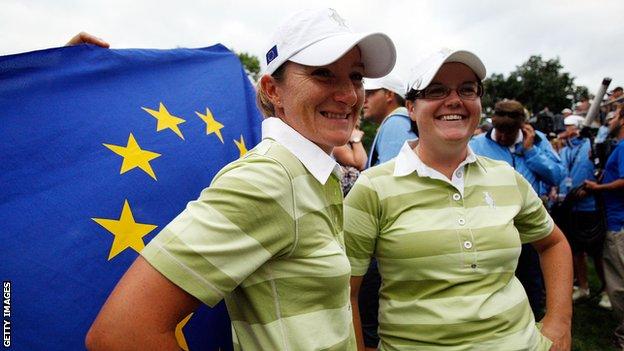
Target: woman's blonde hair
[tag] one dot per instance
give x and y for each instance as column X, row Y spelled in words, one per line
column 262, row 100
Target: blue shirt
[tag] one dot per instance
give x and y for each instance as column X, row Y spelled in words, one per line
column 602, row 134
column 393, row 132
column 540, row 164
column 614, row 200
column 575, row 157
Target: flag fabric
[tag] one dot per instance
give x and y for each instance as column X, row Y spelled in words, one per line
column 100, row 150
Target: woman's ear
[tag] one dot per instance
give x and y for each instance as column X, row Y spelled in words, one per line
column 268, row 85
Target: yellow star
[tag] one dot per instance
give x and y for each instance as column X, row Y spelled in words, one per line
column 242, row 149
column 179, row 335
column 134, row 156
column 166, row 120
column 212, row 126
column 127, row 232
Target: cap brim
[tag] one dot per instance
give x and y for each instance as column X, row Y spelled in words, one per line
column 377, row 50
column 372, row 84
column 434, row 63
column 469, row 59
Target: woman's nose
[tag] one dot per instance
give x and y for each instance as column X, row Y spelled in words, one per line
column 347, row 92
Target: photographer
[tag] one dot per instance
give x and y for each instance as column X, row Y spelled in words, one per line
column 578, row 214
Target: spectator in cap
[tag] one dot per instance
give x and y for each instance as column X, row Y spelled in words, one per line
column 266, row 235
column 446, row 226
column 616, row 93
column 558, row 125
column 528, row 151
column 612, row 190
column 583, row 223
column 385, row 106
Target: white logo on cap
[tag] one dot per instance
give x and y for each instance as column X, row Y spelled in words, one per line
column 417, row 83
column 336, row 17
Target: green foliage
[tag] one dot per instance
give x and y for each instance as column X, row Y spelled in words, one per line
column 251, row 64
column 580, row 93
column 537, row 83
column 370, row 129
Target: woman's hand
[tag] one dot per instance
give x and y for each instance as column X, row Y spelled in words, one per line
column 556, row 262
column 86, row 38
column 558, row 332
column 356, row 135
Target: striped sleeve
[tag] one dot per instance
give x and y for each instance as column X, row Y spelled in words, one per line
column 361, row 224
column 241, row 221
column 532, row 221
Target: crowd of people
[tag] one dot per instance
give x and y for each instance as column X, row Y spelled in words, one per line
column 444, row 242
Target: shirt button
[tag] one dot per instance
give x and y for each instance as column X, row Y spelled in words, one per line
column 459, row 174
column 456, row 196
column 461, row 221
column 473, row 266
column 467, row 245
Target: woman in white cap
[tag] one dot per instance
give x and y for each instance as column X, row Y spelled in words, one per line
column 446, row 228
column 266, row 236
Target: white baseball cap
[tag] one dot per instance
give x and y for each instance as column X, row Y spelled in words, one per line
column 574, row 120
column 390, row 82
column 320, row 37
column 422, row 74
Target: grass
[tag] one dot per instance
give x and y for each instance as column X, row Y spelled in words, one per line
column 592, row 326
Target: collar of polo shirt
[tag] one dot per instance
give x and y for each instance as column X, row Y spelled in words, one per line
column 313, row 158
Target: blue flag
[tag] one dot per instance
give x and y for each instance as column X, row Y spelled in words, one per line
column 100, row 150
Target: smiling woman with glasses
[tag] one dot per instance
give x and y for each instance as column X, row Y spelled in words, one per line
column 446, row 227
column 436, row 91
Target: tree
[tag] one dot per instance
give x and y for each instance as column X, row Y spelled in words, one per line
column 537, row 83
column 581, row 93
column 251, row 64
column 370, row 130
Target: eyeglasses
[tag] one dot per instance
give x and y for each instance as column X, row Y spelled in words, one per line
column 466, row 91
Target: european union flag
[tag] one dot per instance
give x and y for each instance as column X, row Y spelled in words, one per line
column 100, row 150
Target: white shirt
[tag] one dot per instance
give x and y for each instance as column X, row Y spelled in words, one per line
column 407, row 161
column 313, row 158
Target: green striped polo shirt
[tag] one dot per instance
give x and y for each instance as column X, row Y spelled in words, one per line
column 267, row 237
column 447, row 260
